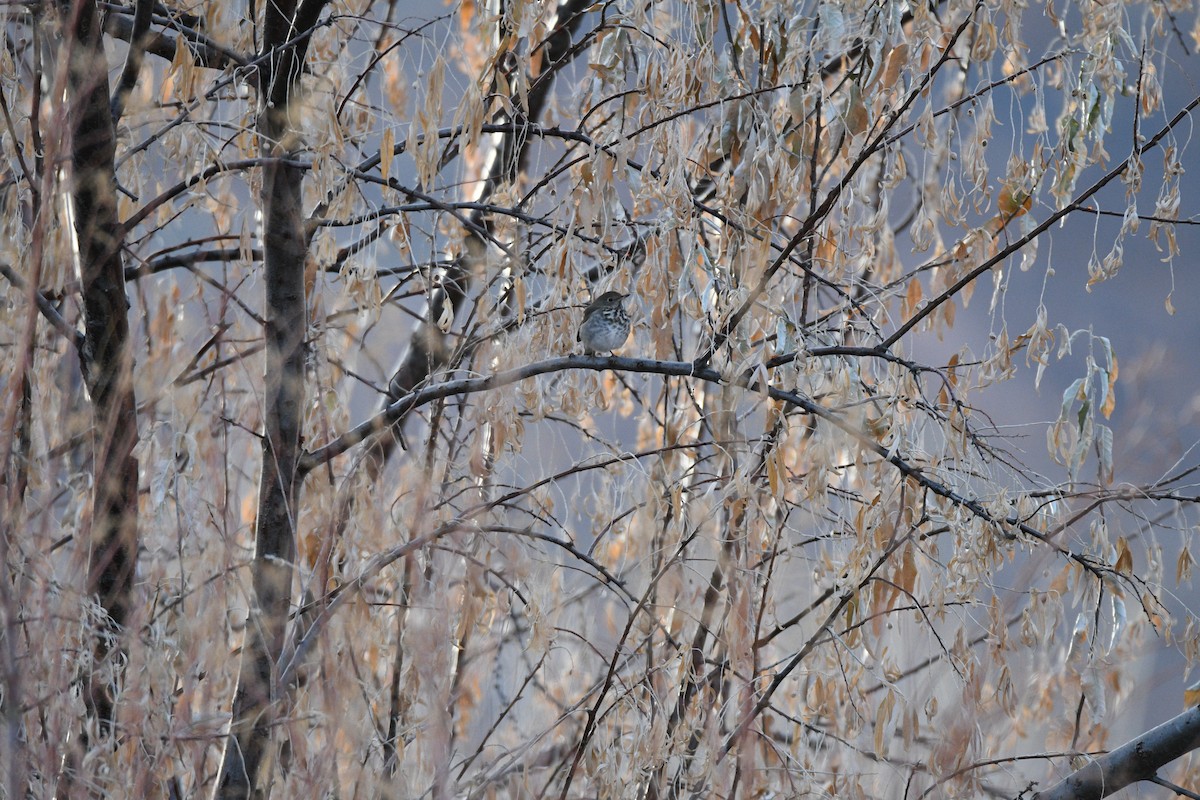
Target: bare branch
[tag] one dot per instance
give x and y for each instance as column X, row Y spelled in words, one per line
column 1139, row 759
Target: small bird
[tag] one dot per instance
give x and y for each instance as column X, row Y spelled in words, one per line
column 605, row 325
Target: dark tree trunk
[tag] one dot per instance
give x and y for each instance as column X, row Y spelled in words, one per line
column 248, row 765
column 107, row 360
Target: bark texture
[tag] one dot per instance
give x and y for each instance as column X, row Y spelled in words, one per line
column 107, row 359
column 1137, row 760
column 248, row 768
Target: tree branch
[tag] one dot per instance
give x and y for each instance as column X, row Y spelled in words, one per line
column 1137, row 760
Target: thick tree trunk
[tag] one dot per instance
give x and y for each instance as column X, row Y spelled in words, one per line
column 107, row 358
column 248, row 764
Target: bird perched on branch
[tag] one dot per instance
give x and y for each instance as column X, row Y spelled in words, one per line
column 605, row 325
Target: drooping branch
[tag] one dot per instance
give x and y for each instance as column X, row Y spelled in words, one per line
column 1052, row 220
column 831, row 198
